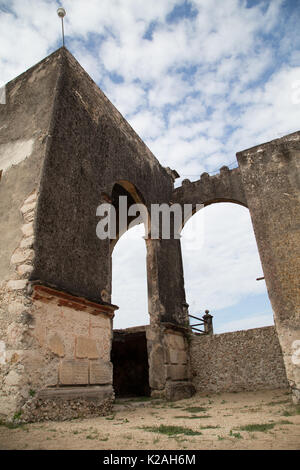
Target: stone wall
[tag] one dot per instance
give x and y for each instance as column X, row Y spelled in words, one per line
column 243, row 360
column 56, row 361
column 270, row 175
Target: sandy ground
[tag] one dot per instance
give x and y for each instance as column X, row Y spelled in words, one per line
column 218, row 419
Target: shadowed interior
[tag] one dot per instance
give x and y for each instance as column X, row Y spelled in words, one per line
column 130, row 364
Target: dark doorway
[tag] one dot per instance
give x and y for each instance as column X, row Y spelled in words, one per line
column 130, row 362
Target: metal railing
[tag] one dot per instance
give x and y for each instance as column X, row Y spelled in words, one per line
column 205, row 321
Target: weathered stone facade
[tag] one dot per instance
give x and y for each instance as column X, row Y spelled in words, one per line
column 239, row 361
column 65, row 149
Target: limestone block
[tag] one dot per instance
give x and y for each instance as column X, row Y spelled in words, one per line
column 100, row 372
column 27, row 229
column 29, row 217
column 28, row 207
column 86, row 348
column 56, row 345
column 16, row 284
column 76, row 321
column 177, row 357
column 175, row 341
column 20, row 256
column 103, row 340
column 27, row 242
column 157, row 372
column 24, row 269
column 103, row 334
column 177, row 372
column 31, row 198
column 74, row 372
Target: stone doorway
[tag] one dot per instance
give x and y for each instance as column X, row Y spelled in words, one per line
column 130, row 362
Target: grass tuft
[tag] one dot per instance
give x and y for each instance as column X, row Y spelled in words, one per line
column 172, row 430
column 257, row 427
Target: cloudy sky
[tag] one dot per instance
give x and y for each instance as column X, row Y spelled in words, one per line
column 198, row 80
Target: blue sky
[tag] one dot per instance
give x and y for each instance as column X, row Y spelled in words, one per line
column 198, row 80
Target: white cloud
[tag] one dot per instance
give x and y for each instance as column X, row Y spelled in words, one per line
column 148, row 124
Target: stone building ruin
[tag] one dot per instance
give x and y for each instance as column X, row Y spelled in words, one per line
column 64, row 148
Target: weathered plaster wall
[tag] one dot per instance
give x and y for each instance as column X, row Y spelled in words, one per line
column 24, row 132
column 243, row 360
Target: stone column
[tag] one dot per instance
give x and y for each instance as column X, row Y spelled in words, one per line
column 208, row 324
column 167, row 334
column 270, row 175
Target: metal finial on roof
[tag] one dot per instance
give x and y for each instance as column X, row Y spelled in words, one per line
column 62, row 13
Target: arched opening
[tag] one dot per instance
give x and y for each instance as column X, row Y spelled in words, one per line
column 129, row 291
column 221, row 265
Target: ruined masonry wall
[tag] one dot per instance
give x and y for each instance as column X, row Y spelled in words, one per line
column 247, row 360
column 49, row 341
column 15, row 315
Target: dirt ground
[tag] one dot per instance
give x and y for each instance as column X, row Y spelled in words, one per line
column 202, row 422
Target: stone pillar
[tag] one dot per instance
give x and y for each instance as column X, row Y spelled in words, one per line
column 270, row 175
column 208, row 324
column 167, row 335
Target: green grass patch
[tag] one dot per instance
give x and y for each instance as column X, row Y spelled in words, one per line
column 171, row 430
column 257, row 427
column 237, row 435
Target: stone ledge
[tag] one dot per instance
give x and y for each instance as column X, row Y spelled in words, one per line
column 174, row 327
column 74, row 393
column 50, row 295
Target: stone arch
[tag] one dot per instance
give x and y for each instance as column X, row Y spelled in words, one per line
column 226, row 186
column 134, row 197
